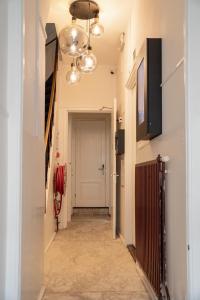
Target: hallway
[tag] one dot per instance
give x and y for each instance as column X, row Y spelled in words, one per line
column 84, row 262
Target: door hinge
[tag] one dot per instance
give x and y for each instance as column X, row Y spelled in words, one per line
column 75, row 195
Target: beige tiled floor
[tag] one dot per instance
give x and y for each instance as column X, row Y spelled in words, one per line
column 84, row 262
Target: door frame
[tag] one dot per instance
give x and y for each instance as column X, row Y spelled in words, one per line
column 64, row 145
column 73, row 118
column 11, row 111
column 192, row 108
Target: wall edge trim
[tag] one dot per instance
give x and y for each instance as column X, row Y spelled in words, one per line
column 123, row 240
column 41, row 294
column 50, row 242
column 146, row 283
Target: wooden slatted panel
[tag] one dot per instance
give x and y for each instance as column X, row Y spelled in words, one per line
column 149, row 221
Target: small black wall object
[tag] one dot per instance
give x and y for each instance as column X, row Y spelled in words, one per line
column 120, row 141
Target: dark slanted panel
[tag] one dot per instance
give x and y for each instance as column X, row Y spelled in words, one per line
column 51, row 51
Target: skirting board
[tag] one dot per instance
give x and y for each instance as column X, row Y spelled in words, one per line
column 41, row 294
column 123, row 240
column 146, row 283
column 132, row 251
column 50, row 242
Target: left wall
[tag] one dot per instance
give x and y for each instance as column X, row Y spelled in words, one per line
column 33, row 162
column 22, row 45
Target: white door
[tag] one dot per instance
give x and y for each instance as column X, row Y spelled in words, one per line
column 90, row 158
column 114, row 174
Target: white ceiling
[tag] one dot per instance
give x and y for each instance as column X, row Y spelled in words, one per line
column 114, row 15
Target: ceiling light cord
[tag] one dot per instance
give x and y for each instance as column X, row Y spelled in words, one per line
column 89, row 42
column 89, row 25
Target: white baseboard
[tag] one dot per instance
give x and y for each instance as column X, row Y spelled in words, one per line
column 41, row 294
column 146, row 283
column 50, row 242
column 123, row 240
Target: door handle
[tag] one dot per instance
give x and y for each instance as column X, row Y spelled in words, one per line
column 102, row 168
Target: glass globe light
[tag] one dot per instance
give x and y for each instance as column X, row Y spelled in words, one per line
column 96, row 29
column 73, row 76
column 87, row 62
column 73, row 40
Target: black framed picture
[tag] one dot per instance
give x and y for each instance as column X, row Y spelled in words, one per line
column 149, row 91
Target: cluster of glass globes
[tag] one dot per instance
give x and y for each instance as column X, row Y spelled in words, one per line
column 75, row 42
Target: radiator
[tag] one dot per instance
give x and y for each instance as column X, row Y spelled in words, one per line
column 150, row 223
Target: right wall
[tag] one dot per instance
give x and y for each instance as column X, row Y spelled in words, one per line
column 164, row 19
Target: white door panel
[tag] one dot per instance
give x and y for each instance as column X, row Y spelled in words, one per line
column 90, row 163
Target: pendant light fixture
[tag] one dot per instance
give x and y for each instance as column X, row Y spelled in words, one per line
column 73, row 76
column 75, row 41
column 96, row 28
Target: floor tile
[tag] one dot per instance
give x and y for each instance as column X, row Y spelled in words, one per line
column 84, row 262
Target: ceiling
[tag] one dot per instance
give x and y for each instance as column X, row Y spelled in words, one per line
column 114, row 15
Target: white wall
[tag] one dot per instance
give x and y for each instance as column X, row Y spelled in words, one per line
column 44, row 7
column 166, row 20
column 33, row 154
column 93, row 91
column 34, row 140
column 193, row 145
column 126, row 110
column 3, row 135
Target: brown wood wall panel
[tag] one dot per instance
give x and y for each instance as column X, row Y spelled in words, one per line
column 149, row 221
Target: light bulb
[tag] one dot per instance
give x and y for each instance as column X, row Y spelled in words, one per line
column 74, row 33
column 73, row 48
column 73, row 40
column 87, row 62
column 96, row 28
column 73, row 76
